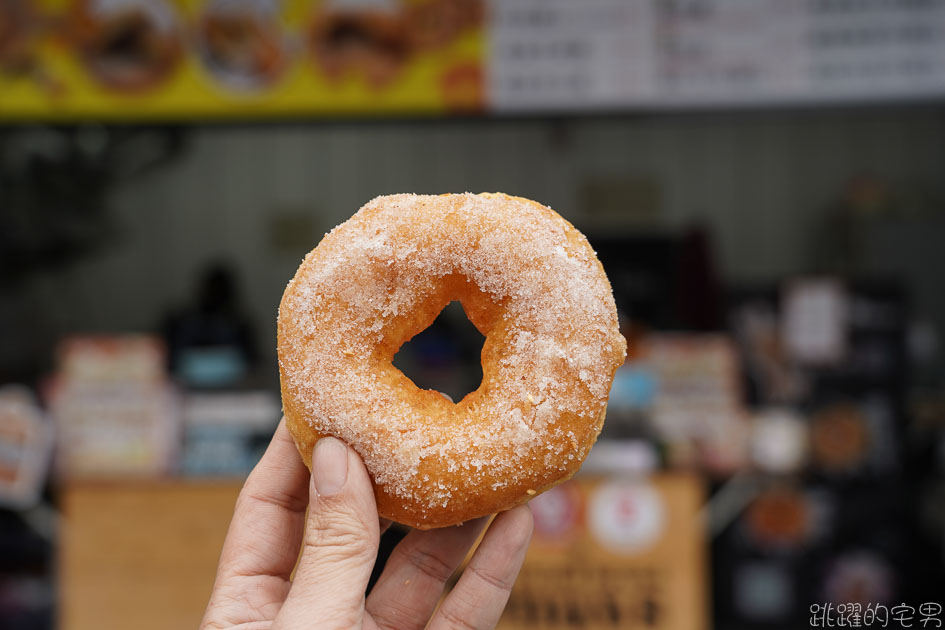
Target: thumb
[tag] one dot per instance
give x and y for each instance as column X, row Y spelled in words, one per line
column 340, row 545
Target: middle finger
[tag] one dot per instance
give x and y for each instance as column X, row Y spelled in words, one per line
column 412, row 582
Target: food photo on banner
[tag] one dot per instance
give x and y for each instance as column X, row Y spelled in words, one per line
column 516, row 314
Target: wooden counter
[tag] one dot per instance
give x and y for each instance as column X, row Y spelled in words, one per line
column 616, row 553
column 141, row 555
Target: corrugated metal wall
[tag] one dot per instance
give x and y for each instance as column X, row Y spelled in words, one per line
column 762, row 180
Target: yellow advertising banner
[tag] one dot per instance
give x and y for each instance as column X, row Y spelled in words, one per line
column 212, row 59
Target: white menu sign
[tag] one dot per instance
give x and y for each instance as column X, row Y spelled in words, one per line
column 561, row 55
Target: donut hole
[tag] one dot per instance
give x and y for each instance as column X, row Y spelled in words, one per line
column 445, row 356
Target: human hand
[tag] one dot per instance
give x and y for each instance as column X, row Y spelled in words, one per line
column 254, row 588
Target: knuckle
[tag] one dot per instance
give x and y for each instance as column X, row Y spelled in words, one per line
column 492, row 579
column 428, row 564
column 454, row 620
column 276, row 498
column 341, row 535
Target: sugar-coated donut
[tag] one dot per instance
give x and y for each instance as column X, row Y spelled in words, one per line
column 531, row 284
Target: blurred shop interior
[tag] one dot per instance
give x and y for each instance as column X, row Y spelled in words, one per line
column 764, row 184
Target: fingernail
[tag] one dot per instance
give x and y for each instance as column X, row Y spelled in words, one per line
column 329, row 466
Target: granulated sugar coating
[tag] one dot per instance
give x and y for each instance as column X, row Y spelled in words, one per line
column 527, row 280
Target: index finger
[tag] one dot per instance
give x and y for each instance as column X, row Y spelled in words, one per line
column 269, row 518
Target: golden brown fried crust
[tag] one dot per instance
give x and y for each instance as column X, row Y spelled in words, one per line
column 527, row 280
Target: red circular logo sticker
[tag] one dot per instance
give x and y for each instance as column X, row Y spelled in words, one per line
column 557, row 512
